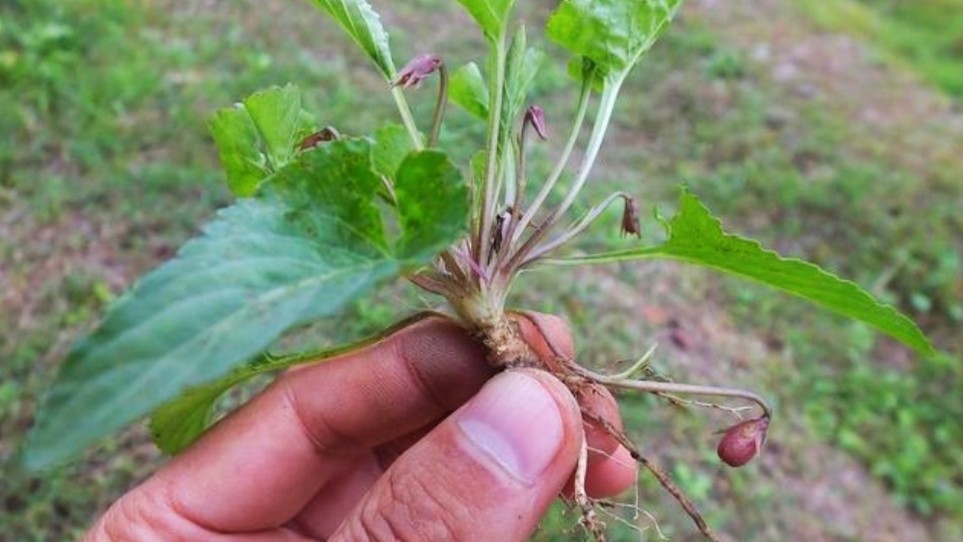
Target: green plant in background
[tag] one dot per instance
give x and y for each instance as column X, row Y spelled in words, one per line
column 321, row 218
column 899, row 424
column 922, row 34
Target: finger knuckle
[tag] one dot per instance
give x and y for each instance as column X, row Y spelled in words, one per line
column 316, row 426
column 140, row 517
column 411, row 508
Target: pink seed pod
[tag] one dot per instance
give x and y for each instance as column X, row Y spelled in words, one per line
column 743, row 442
column 535, row 116
column 417, row 71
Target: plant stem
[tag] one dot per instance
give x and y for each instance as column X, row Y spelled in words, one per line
column 606, row 108
column 509, row 172
column 491, row 170
column 267, row 362
column 559, row 167
column 672, row 387
column 407, row 118
column 574, row 231
column 604, row 115
column 440, row 105
column 522, row 178
column 521, row 181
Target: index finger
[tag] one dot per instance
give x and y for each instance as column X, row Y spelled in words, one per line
column 257, row 468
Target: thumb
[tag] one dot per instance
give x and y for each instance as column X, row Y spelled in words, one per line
column 488, row 472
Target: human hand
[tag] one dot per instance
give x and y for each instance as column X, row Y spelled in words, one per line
column 392, row 442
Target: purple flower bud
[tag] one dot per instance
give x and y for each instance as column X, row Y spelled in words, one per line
column 743, row 442
column 417, row 71
column 630, row 218
column 535, row 116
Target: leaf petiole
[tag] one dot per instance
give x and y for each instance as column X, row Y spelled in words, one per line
column 604, row 115
column 607, row 102
column 407, row 118
column 672, row 387
column 483, row 235
column 582, row 110
column 440, row 105
column 577, row 229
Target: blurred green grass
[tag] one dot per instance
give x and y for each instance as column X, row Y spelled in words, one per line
column 927, row 36
column 106, row 167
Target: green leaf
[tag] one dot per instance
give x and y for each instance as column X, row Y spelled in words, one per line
column 363, row 24
column 432, row 204
column 258, row 136
column 331, row 191
column 277, row 115
column 310, row 242
column 695, row 236
column 177, row 424
column 491, row 15
column 613, row 34
column 468, row 89
column 391, row 146
column 238, row 144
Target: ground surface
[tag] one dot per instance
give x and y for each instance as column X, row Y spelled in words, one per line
column 823, row 142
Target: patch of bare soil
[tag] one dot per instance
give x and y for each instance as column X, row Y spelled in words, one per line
column 41, row 257
column 817, row 493
column 821, row 493
column 884, row 100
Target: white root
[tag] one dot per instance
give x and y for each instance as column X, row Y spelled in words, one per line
column 589, row 520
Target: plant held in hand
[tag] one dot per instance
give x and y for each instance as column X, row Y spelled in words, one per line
column 307, row 236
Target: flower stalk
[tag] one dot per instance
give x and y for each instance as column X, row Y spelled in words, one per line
column 407, row 118
column 440, row 105
column 683, row 389
column 578, row 228
column 561, row 164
